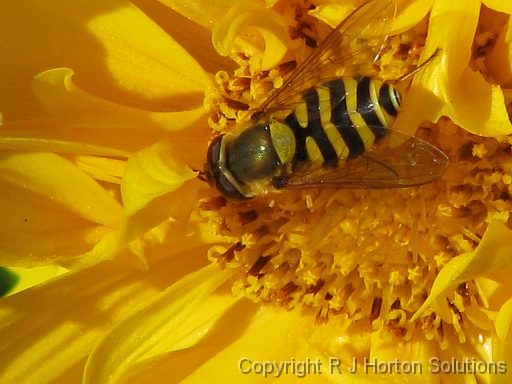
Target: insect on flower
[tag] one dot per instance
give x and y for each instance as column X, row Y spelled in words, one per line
column 322, row 130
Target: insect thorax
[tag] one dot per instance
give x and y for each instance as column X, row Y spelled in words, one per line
column 242, row 166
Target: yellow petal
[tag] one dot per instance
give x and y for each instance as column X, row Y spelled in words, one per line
column 137, row 335
column 60, row 136
column 499, row 5
column 176, row 205
column 186, row 16
column 272, row 336
column 449, row 87
column 100, row 168
column 61, row 98
column 107, row 248
column 216, row 325
column 494, row 253
column 410, row 14
column 50, row 135
column 117, row 52
column 30, row 277
column 332, row 14
column 504, row 321
column 144, row 59
column 151, row 190
column 389, row 347
column 51, row 176
column 36, row 231
column 269, row 24
column 499, row 58
column 51, row 208
column 48, row 331
column 152, row 173
column 502, row 349
column 203, row 12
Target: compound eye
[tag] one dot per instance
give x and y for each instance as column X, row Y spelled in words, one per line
column 227, row 188
column 213, row 155
column 216, row 171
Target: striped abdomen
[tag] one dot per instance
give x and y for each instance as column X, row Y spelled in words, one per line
column 342, row 119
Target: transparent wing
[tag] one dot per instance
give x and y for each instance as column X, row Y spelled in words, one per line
column 360, row 36
column 413, row 162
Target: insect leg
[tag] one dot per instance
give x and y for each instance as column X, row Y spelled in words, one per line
column 418, row 67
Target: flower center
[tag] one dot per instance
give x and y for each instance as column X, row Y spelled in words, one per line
column 360, row 257
column 369, row 257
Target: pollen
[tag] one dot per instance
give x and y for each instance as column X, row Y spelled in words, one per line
column 364, row 259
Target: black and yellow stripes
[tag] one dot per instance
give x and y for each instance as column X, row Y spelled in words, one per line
column 341, row 119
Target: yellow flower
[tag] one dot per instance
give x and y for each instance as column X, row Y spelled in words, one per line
column 105, row 120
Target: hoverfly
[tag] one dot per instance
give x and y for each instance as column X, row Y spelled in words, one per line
column 317, row 132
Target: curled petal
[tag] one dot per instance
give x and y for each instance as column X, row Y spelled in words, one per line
column 118, row 54
column 151, row 173
column 153, row 191
column 269, row 24
column 449, row 87
column 61, row 98
column 410, row 14
column 499, row 58
column 176, row 205
column 492, row 254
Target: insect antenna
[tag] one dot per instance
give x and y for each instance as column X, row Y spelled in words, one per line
column 201, row 175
